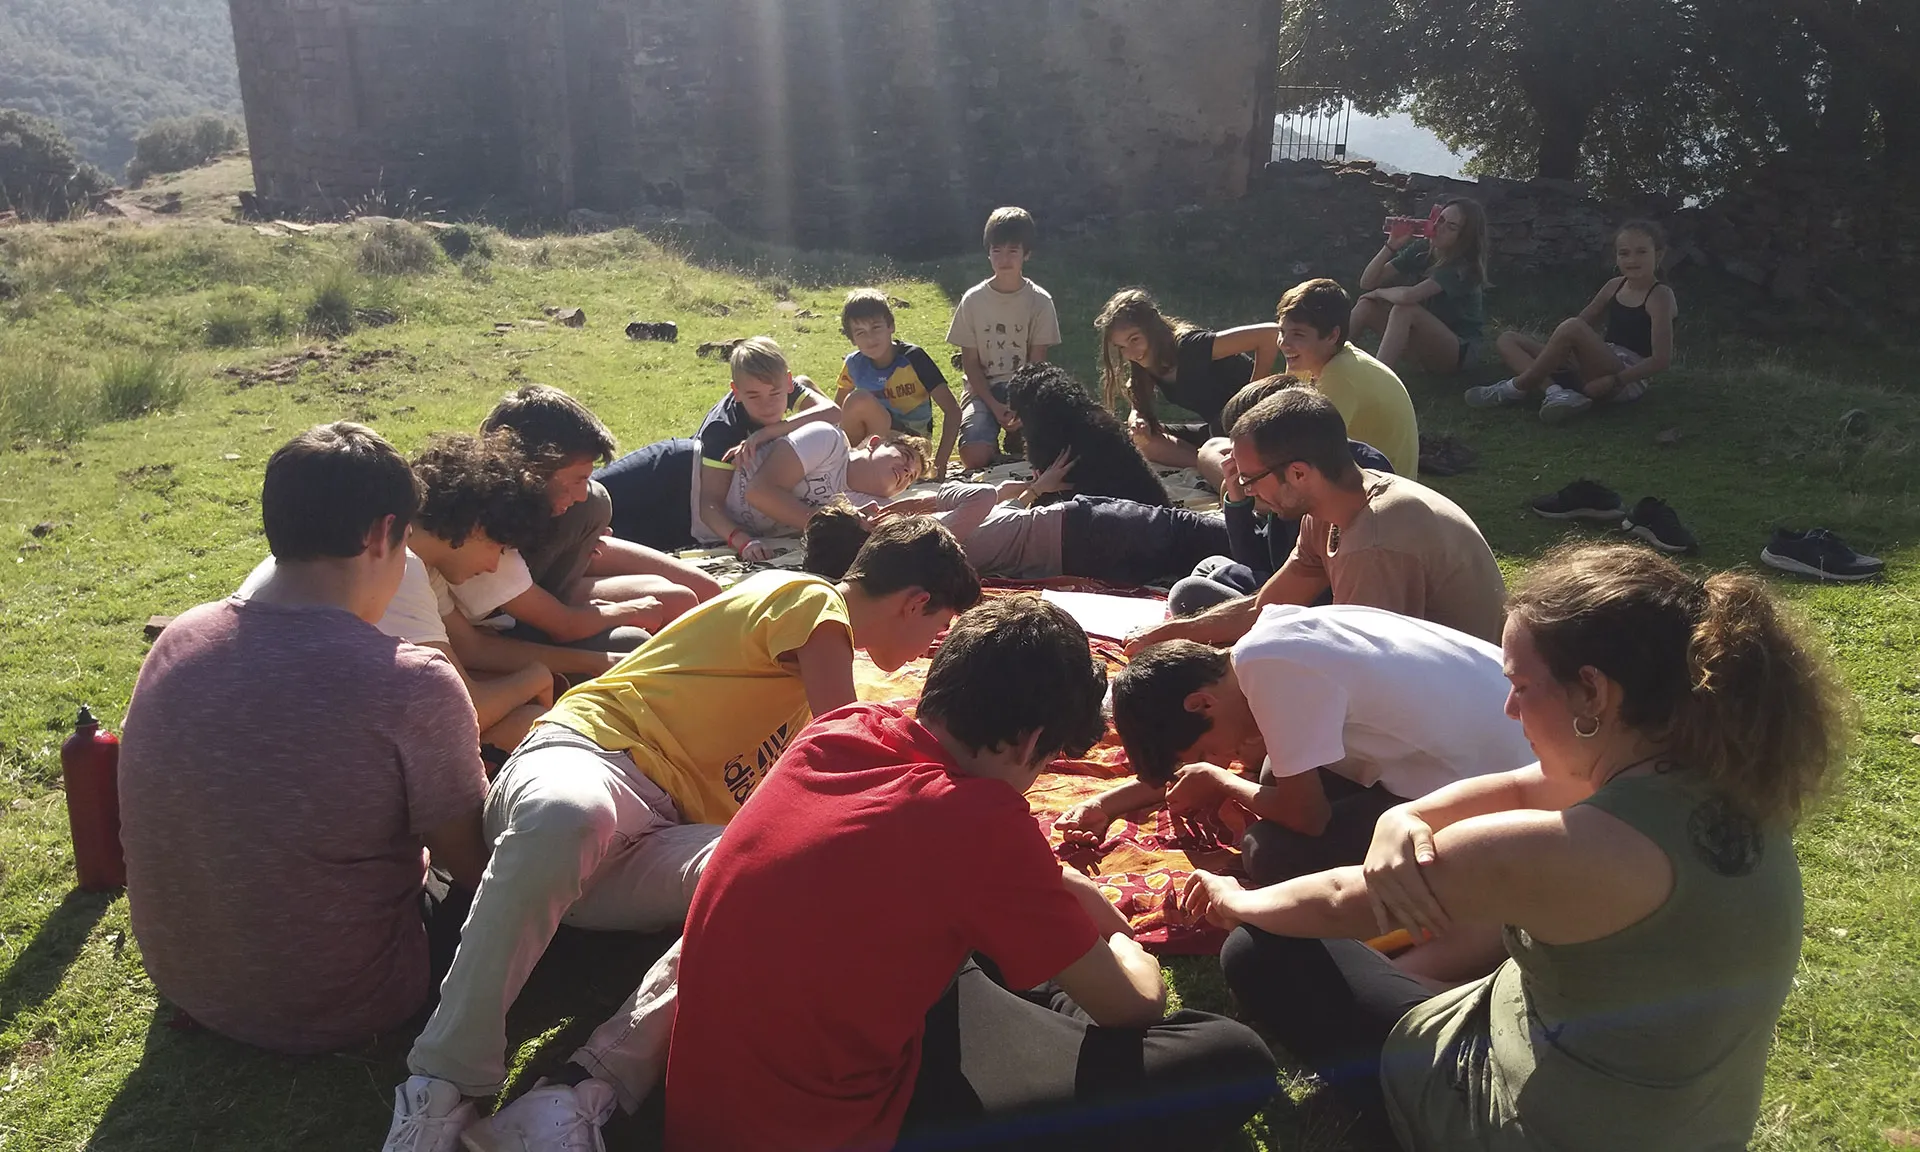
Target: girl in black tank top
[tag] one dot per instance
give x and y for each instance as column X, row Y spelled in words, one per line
column 1580, row 365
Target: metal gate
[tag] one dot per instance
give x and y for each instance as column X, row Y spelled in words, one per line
column 1310, row 123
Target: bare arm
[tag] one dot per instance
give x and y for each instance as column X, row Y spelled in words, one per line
column 771, row 489
column 974, row 371
column 485, row 650
column 714, row 484
column 1409, row 293
column 567, row 622
column 943, row 399
column 1596, row 309
column 825, row 664
column 1117, row 984
column 1380, row 271
column 460, row 847
column 1297, row 802
column 1037, row 353
column 1087, row 821
column 617, row 557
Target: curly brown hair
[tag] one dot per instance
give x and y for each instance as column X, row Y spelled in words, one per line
column 479, row 483
column 1716, row 669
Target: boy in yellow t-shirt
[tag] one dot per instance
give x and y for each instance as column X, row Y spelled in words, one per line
column 606, row 814
column 1369, row 395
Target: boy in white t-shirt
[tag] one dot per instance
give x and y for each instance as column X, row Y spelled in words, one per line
column 779, row 487
column 1387, row 707
column 1002, row 322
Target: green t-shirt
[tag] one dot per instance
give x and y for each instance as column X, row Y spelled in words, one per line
column 1461, row 304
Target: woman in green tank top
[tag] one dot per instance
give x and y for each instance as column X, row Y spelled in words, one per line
column 1641, row 875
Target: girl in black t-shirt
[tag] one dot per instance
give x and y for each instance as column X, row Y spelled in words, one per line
column 1145, row 354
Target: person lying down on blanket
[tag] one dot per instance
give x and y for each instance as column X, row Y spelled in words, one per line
column 1353, row 710
column 1118, row 541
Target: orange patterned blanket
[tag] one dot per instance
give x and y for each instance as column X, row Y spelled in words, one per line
column 1142, row 862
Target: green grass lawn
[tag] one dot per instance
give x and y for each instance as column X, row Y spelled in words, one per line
column 111, row 516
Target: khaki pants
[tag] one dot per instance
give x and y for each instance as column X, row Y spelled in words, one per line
column 581, row 837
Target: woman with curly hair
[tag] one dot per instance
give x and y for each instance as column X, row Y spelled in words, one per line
column 1642, row 876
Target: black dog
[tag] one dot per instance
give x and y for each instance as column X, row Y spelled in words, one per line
column 1057, row 415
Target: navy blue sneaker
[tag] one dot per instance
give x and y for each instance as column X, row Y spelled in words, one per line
column 1581, row 500
column 1651, row 520
column 1820, row 554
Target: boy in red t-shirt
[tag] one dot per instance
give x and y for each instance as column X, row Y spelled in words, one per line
column 819, row 1006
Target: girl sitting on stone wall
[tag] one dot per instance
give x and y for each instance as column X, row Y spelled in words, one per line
column 1580, row 364
column 1425, row 296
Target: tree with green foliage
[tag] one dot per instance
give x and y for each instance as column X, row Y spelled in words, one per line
column 105, row 69
column 175, row 145
column 41, row 175
column 1670, row 96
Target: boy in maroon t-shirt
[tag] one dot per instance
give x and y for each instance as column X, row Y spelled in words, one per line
column 819, row 1006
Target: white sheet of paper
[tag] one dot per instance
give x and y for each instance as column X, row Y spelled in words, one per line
column 1111, row 617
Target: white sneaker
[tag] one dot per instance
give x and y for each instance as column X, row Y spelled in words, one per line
column 554, row 1118
column 1563, row 404
column 428, row 1115
column 1495, row 395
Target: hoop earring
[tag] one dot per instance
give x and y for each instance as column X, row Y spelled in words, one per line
column 1584, row 733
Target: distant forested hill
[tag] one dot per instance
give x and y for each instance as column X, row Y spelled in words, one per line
column 104, row 69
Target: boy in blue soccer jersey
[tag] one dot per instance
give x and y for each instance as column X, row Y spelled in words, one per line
column 888, row 385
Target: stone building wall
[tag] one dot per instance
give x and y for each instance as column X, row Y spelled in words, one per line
column 865, row 123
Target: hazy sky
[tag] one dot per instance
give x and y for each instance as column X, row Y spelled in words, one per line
column 1398, row 142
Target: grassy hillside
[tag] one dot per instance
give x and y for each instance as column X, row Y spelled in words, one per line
column 150, row 514
column 104, row 69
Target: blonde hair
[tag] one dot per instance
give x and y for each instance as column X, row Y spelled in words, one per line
column 760, row 358
column 1136, row 308
column 1716, row 670
column 914, row 448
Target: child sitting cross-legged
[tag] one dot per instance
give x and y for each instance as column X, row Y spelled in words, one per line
column 884, row 952
column 1581, row 365
column 606, row 814
column 887, row 385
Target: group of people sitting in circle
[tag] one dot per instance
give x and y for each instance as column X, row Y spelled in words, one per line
column 1575, row 796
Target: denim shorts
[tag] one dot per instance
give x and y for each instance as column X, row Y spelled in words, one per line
column 977, row 425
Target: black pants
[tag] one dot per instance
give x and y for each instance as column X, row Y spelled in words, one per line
column 1272, row 852
column 1030, row 1071
column 652, row 490
column 1130, row 543
column 443, row 908
column 1331, row 1003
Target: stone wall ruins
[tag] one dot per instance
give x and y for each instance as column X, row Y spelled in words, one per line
column 863, row 123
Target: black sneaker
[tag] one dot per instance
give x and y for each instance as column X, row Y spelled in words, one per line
column 1581, row 500
column 1651, row 520
column 1820, row 554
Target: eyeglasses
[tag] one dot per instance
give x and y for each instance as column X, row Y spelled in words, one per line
column 1249, row 479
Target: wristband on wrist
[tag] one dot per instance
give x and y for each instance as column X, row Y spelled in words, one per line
column 1240, row 503
column 737, row 548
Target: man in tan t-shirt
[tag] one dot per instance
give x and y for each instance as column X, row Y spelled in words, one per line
column 1374, row 539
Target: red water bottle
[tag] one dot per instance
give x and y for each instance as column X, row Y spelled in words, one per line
column 90, row 763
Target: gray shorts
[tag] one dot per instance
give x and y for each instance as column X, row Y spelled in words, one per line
column 1633, row 389
column 977, row 425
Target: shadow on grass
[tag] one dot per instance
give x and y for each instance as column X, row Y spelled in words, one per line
column 196, row 1090
column 42, row 964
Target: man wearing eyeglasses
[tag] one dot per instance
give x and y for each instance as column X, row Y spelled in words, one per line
column 1374, row 539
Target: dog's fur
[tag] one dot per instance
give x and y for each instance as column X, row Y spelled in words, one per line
column 1057, row 414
